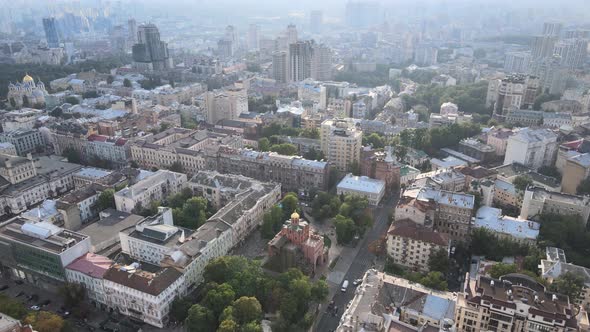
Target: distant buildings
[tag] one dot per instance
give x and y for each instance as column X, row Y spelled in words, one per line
column 280, row 66
column 425, row 55
column 150, row 53
column 225, row 104
column 316, row 21
column 514, row 91
column 26, row 94
column 410, row 244
column 532, row 148
column 51, row 32
column 300, row 54
column 371, row 189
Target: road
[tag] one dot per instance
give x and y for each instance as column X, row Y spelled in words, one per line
column 363, row 261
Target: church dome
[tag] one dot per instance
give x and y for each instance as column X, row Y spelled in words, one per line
column 295, row 215
column 28, row 78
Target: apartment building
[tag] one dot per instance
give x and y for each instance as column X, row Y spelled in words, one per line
column 89, row 270
column 476, row 149
column 225, row 104
column 515, row 229
column 537, row 201
column 515, row 302
column 513, row 91
column 555, row 265
column 156, row 186
column 79, row 206
column 498, row 138
column 532, row 148
column 24, row 140
column 575, row 170
column 341, row 143
column 410, row 244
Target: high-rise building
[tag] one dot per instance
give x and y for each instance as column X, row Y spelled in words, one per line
column 553, row 75
column 543, row 46
column 51, row 32
column 425, row 55
column 300, row 54
column 118, row 39
column 225, row 104
column 341, row 143
column 280, row 66
column 517, row 62
column 552, row 29
column 231, row 34
column 150, row 53
column 225, row 48
column 132, row 31
column 291, row 34
column 513, row 91
column 572, row 52
column 316, row 18
column 321, row 62
column 253, row 40
column 362, row 14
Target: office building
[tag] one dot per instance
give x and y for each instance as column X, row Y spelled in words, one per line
column 552, row 73
column 300, row 57
column 155, row 187
column 150, row 53
column 132, row 31
column 341, row 143
column 51, row 32
column 38, row 252
column 280, row 66
column 291, row 34
column 552, row 29
column 425, row 55
column 514, row 302
column 543, row 46
column 371, row 189
column 225, row 48
column 410, row 244
column 533, row 148
column 316, row 18
column 537, row 201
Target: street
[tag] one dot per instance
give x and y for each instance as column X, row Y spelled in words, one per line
column 349, row 270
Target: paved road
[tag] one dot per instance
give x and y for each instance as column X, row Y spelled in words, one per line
column 360, row 264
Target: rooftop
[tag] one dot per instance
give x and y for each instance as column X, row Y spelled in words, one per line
column 409, row 229
column 466, row 201
column 108, row 227
column 492, row 219
column 143, row 281
column 92, row 173
column 155, row 179
column 448, row 162
column 91, row 264
column 361, row 183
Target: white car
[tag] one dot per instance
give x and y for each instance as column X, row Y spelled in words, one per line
column 357, row 282
column 35, row 308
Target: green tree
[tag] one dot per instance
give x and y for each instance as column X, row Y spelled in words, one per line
column 434, row 280
column 106, row 199
column 247, row 309
column 375, row 140
column 200, row 319
column 584, row 187
column 355, row 168
column 320, row 290
column 545, row 97
column 228, row 325
column 313, row 133
column 72, row 155
column 521, row 182
column 127, row 83
column 284, row 149
column 176, row 167
column 252, row 327
column 345, row 229
column 263, row 144
column 219, row 297
column 325, row 205
column 44, row 321
column 12, row 307
column 313, row 154
column 439, row 261
column 72, row 100
column 500, row 269
column 272, row 222
column 110, row 79
column 289, row 204
column 569, row 284
column 179, row 309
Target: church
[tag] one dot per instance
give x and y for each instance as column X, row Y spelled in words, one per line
column 27, row 93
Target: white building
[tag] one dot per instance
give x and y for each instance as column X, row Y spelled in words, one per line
column 532, row 147
column 372, row 189
column 155, row 187
column 89, row 270
column 521, row 230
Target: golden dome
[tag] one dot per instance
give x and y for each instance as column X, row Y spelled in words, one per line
column 295, row 215
column 28, row 78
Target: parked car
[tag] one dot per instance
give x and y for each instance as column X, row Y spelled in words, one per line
column 357, row 282
column 35, row 308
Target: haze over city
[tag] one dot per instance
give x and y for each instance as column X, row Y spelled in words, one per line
column 287, row 166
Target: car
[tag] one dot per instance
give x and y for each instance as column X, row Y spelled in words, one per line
column 5, row 287
column 35, row 308
column 357, row 282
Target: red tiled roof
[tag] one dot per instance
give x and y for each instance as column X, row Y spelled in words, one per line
column 99, row 138
column 91, row 264
column 409, row 229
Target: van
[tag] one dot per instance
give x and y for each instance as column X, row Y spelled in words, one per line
column 344, row 286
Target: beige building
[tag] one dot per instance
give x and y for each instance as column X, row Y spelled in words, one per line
column 498, row 138
column 537, row 201
column 411, row 245
column 514, row 302
column 341, row 143
column 155, row 187
column 225, row 104
column 575, row 170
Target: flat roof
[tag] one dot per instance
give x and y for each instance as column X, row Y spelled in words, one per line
column 362, row 184
column 108, row 227
column 92, row 172
column 492, row 219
